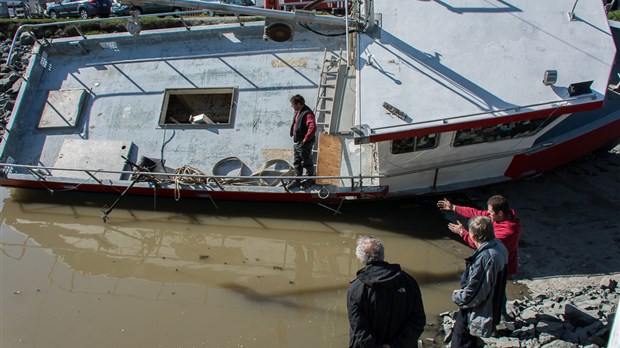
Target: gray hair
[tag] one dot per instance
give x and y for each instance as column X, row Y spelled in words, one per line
column 369, row 249
column 481, row 228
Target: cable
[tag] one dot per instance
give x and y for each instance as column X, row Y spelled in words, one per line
column 328, row 35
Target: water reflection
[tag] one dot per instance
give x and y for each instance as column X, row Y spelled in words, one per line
column 259, row 275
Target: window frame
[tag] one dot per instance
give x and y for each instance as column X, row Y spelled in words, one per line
column 231, row 91
column 435, row 136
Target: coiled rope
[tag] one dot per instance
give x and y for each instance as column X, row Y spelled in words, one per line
column 187, row 180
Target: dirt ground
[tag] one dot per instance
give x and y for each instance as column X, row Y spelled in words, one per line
column 571, row 222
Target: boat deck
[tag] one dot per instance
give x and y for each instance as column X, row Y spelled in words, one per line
column 458, row 62
column 92, row 102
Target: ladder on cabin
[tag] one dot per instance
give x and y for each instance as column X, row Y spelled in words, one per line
column 326, row 111
column 326, row 100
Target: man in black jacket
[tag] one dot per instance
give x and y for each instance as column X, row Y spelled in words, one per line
column 384, row 302
column 303, row 132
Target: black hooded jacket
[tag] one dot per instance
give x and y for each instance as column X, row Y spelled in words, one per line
column 385, row 307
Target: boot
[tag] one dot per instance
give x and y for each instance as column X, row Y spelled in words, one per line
column 307, row 183
column 293, row 184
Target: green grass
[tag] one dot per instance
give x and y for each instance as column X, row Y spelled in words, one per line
column 8, row 27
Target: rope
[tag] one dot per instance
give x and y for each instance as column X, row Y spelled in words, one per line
column 186, row 180
column 266, row 170
column 273, row 167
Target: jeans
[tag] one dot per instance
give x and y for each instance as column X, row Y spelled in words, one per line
column 460, row 333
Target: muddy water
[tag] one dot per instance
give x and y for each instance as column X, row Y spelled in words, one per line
column 185, row 274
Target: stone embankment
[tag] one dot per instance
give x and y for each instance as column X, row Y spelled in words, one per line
column 11, row 76
column 580, row 317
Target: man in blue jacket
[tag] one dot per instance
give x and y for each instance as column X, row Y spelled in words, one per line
column 483, row 286
column 384, row 302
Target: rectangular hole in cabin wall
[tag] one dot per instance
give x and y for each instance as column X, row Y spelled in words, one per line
column 198, row 107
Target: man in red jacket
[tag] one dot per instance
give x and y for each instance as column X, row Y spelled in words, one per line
column 506, row 224
column 303, row 131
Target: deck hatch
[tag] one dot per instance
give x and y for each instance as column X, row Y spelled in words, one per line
column 198, row 107
column 62, row 108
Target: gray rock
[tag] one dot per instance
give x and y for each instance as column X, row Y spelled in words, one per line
column 449, row 314
column 577, row 316
column 594, row 327
column 588, row 304
column 598, row 341
column 560, row 344
column 16, row 86
column 582, row 333
column 506, row 326
column 608, row 283
column 570, row 336
column 7, row 82
column 26, row 39
column 552, row 328
column 602, row 332
column 548, row 317
column 545, row 338
column 529, row 315
column 525, row 332
column 503, row 342
column 533, row 342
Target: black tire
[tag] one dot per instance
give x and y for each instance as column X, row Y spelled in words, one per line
column 138, row 10
column 53, row 14
column 83, row 13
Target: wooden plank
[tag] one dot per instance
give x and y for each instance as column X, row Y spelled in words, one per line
column 329, row 158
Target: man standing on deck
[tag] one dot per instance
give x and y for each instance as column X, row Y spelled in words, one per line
column 303, row 132
column 506, row 224
column 384, row 303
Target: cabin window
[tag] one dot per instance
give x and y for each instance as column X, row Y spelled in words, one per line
column 501, row 131
column 419, row 143
column 198, row 106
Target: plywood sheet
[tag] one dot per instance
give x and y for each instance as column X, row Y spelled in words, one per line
column 329, row 158
column 62, row 108
column 92, row 155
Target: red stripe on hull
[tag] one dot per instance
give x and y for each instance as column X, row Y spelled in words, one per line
column 530, row 164
column 489, row 121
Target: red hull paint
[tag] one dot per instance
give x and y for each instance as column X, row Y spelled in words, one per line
column 489, row 121
column 224, row 195
column 541, row 161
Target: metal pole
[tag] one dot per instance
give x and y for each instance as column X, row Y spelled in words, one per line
column 571, row 14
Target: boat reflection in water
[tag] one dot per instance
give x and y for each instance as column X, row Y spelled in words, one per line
column 269, row 275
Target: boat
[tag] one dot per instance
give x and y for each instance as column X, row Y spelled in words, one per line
column 411, row 98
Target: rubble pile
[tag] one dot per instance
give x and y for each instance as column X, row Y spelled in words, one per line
column 11, row 76
column 559, row 319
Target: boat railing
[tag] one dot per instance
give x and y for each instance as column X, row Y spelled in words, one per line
column 29, row 28
column 219, row 180
column 227, row 178
column 515, row 109
column 202, row 8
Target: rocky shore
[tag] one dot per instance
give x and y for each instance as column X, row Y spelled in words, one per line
column 11, row 77
column 579, row 317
